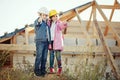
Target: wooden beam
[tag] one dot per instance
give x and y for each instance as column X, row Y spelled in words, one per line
column 113, row 9
column 26, row 35
column 81, row 49
column 82, row 36
column 84, row 30
column 13, row 40
column 92, row 55
column 107, row 51
column 94, row 16
column 87, row 49
column 30, row 28
column 118, row 4
column 12, row 47
column 116, row 36
column 84, row 7
column 109, row 7
column 68, row 15
column 71, row 14
column 88, row 24
column 4, row 39
column 79, row 19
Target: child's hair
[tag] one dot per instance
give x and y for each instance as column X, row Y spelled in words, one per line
column 51, row 21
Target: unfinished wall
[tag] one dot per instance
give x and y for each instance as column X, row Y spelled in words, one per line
column 20, row 59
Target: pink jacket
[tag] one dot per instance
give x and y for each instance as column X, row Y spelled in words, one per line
column 58, row 38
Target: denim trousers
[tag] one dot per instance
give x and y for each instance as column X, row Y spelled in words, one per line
column 41, row 57
column 58, row 57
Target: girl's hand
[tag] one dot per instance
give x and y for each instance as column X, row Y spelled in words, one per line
column 50, row 47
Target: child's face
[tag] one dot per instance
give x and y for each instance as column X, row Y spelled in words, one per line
column 54, row 18
column 44, row 16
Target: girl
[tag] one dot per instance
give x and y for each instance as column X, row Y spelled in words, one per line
column 56, row 27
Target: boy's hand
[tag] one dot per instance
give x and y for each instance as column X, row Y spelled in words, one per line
column 40, row 19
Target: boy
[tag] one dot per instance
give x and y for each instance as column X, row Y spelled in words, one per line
column 42, row 40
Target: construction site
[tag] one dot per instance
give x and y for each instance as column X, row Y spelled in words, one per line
column 86, row 43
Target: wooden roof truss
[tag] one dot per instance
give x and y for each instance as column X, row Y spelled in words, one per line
column 68, row 15
column 75, row 12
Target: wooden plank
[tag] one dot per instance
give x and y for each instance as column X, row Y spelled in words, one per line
column 67, row 16
column 88, row 24
column 85, row 32
column 118, row 4
column 108, row 7
column 77, row 29
column 30, row 28
column 107, row 28
column 84, row 7
column 19, row 47
column 4, row 39
column 79, row 36
column 106, row 31
column 113, row 9
column 70, row 14
column 91, row 31
column 26, row 35
column 87, row 49
column 94, row 16
column 92, row 55
column 13, row 47
column 75, row 23
column 13, row 40
column 116, row 36
column 107, row 51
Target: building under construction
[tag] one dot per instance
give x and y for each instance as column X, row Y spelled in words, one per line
column 92, row 39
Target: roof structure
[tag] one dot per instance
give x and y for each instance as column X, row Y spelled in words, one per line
column 68, row 15
column 7, row 35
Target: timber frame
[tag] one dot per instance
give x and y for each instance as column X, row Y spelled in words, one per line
column 68, row 15
column 76, row 11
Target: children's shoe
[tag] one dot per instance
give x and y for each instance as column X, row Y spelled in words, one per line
column 59, row 71
column 52, row 71
column 43, row 73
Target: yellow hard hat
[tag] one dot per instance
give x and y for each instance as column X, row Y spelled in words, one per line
column 52, row 12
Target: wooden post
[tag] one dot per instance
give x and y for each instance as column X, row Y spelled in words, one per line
column 26, row 35
column 13, row 40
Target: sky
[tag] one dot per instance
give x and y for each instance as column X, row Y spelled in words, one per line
column 17, row 13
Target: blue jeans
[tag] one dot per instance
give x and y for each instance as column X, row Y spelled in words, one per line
column 41, row 57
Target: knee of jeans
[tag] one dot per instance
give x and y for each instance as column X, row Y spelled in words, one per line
column 38, row 57
column 44, row 59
